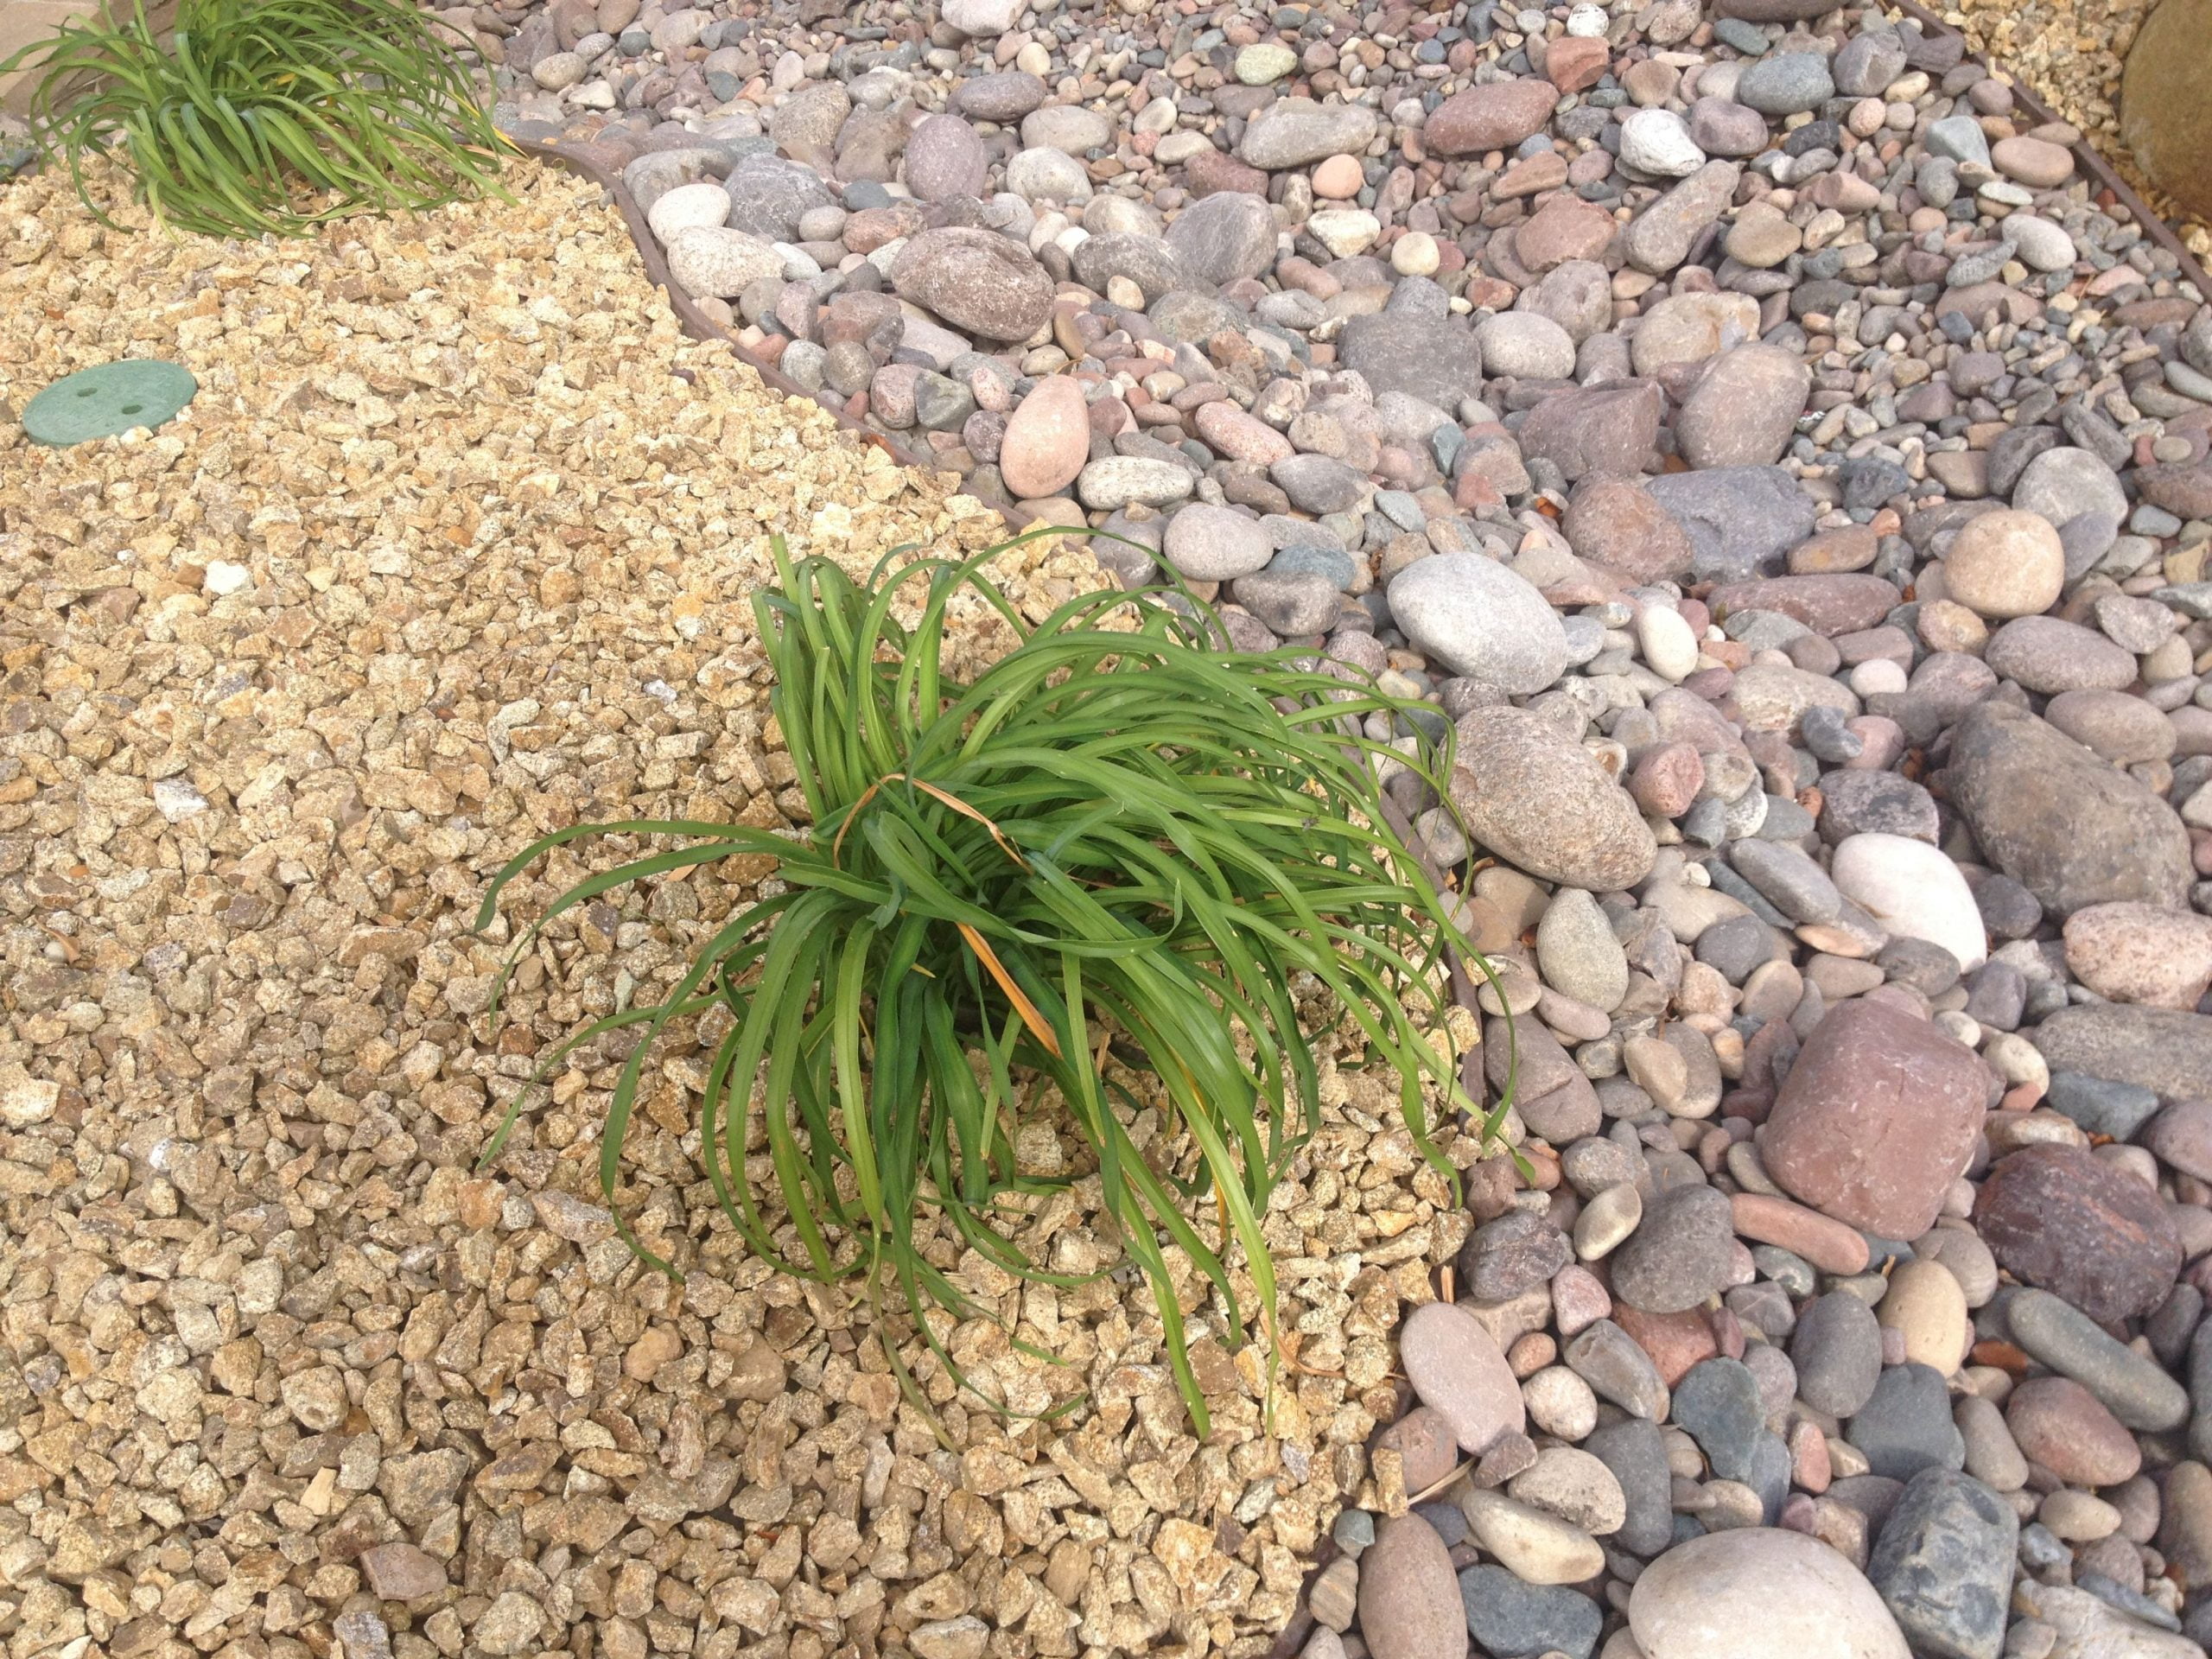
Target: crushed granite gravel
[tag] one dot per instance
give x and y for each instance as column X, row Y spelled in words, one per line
column 453, row 547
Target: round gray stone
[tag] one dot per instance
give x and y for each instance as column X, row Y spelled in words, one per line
column 1578, row 953
column 1905, row 1425
column 1681, row 1253
column 1837, row 1348
column 1211, row 543
column 1480, row 621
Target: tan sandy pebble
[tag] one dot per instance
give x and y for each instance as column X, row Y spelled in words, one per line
column 1338, row 178
column 1925, row 1305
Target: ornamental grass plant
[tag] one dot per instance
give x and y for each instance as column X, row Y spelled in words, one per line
column 266, row 117
column 1114, row 834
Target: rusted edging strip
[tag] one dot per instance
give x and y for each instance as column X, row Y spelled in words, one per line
column 2153, row 226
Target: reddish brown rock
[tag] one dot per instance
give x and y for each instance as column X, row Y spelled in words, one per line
column 1047, row 441
column 1852, row 548
column 1675, row 1341
column 2183, row 488
column 1564, row 228
column 2062, row 1219
column 1576, row 62
column 1212, row 172
column 1423, row 1440
column 1828, row 605
column 977, row 281
column 875, row 227
column 1409, row 1605
column 1545, row 171
column 1876, row 1120
column 2181, row 1135
column 1667, row 779
column 1616, row 523
column 2062, row 1425
column 1607, row 430
column 1496, row 116
column 1828, row 1244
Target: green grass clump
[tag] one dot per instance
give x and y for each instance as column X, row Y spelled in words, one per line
column 267, row 116
column 1107, row 835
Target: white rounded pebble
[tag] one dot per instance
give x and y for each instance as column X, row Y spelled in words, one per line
column 1560, row 1404
column 1655, row 141
column 1534, row 1545
column 687, row 207
column 558, row 71
column 1912, row 889
column 1878, row 674
column 2041, row 245
column 2017, row 1060
column 1414, row 254
column 1607, row 1220
column 1758, row 1593
column 1668, row 642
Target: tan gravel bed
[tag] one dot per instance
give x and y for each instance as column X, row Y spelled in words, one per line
column 454, row 547
column 2071, row 53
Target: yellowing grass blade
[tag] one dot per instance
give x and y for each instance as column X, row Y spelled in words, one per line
column 1022, row 1005
column 837, row 844
column 967, row 811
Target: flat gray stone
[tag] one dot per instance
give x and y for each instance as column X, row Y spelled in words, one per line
column 1481, row 620
column 2135, row 1389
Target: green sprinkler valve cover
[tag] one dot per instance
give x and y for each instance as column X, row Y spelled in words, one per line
column 98, row 403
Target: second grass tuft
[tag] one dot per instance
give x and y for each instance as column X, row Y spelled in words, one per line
column 248, row 117
column 1113, row 835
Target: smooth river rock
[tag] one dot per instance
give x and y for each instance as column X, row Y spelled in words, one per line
column 2089, row 1232
column 1759, row 1593
column 2055, row 818
column 1481, row 620
column 1877, row 1118
column 1914, row 891
column 1409, row 1606
column 2163, row 1050
column 1457, row 1368
column 2141, row 953
column 1545, row 804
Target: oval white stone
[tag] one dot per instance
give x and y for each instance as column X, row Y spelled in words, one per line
column 1759, row 1593
column 1912, row 889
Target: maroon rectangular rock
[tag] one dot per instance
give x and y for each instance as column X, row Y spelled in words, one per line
column 1828, row 604
column 2091, row 1233
column 1876, row 1120
column 1608, row 429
